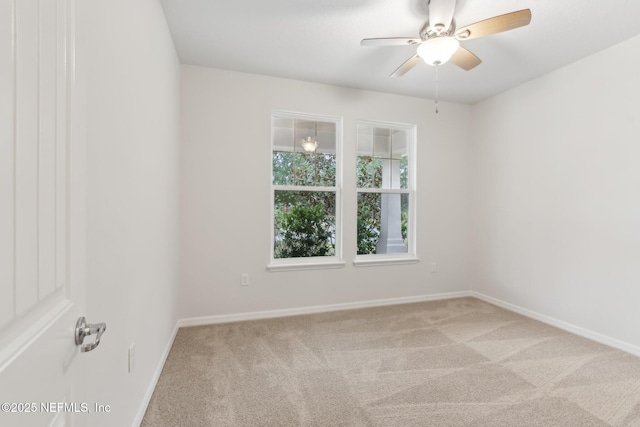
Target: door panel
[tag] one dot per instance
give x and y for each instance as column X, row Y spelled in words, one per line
column 7, row 293
column 26, row 153
column 42, row 204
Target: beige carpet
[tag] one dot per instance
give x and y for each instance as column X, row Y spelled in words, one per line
column 459, row 362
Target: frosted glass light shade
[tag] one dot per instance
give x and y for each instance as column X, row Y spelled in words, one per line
column 438, row 51
column 309, row 145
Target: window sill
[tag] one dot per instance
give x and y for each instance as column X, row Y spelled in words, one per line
column 318, row 265
column 376, row 261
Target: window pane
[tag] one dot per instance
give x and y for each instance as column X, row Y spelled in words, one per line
column 382, row 223
column 304, row 152
column 368, row 172
column 310, row 169
column 382, row 157
column 404, row 172
column 304, row 224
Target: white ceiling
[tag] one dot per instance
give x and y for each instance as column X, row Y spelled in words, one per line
column 319, row 40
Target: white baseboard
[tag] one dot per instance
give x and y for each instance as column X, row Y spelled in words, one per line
column 227, row 318
column 578, row 330
column 154, row 380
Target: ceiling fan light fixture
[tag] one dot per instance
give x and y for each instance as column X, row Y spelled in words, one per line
column 438, row 50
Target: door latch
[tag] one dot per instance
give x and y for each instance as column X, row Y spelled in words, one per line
column 83, row 329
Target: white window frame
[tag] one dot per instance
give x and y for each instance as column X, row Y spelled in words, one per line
column 410, row 257
column 304, row 263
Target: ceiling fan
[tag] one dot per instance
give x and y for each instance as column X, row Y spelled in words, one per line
column 439, row 39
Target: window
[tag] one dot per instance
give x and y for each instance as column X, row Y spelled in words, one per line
column 385, row 177
column 305, row 191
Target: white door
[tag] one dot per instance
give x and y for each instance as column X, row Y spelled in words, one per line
column 42, row 231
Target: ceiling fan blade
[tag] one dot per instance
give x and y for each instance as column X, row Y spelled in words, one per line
column 465, row 59
column 406, row 66
column 441, row 12
column 391, row 41
column 494, row 25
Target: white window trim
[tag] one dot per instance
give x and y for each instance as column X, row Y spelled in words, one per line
column 384, row 190
column 303, row 188
column 410, row 257
column 384, row 259
column 307, row 263
column 310, row 263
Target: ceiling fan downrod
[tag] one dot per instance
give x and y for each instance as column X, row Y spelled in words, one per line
column 437, row 84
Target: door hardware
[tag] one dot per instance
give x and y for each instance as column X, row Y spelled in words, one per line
column 83, row 329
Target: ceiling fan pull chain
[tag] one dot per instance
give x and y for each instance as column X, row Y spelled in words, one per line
column 437, row 81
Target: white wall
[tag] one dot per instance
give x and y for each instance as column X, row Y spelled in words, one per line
column 557, row 194
column 225, row 184
column 132, row 74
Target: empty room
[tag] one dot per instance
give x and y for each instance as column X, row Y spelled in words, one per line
column 319, row 213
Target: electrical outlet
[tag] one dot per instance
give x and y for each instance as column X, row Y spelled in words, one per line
column 434, row 267
column 244, row 279
column 132, row 357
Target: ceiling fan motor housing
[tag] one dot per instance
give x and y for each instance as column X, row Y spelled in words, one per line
column 429, row 31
